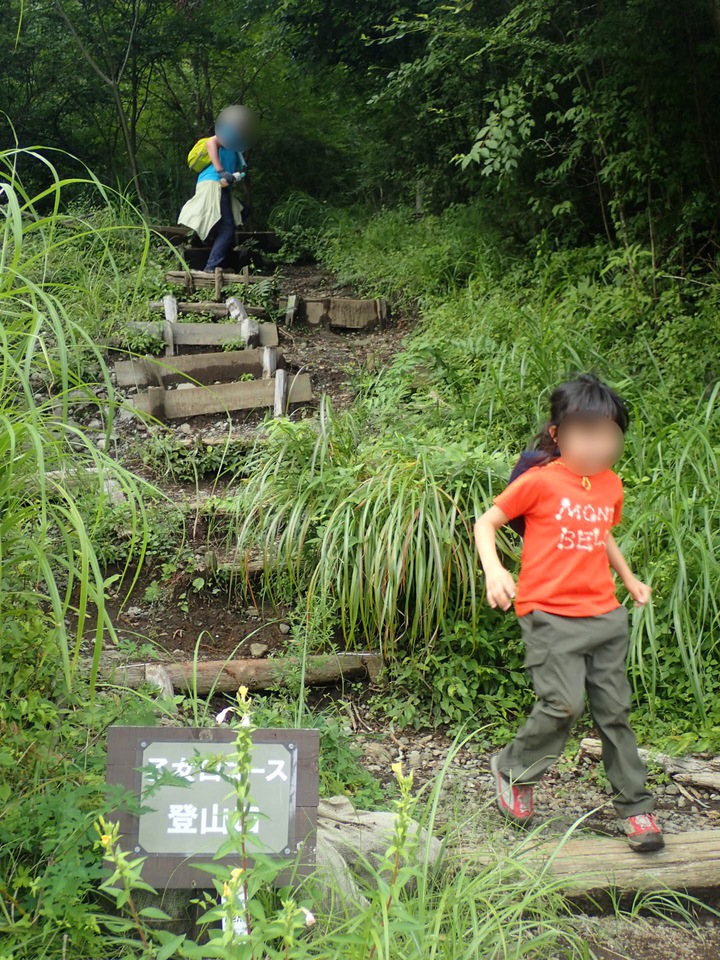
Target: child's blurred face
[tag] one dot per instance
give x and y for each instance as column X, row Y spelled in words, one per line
column 589, row 445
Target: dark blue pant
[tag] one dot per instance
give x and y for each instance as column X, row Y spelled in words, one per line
column 224, row 231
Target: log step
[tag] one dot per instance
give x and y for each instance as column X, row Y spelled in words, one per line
column 689, row 861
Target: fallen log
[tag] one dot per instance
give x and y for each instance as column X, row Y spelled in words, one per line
column 220, row 676
column 689, row 861
column 699, row 773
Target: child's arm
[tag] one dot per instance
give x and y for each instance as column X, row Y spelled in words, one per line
column 499, row 583
column 639, row 591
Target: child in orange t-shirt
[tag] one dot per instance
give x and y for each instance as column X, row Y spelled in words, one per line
column 575, row 631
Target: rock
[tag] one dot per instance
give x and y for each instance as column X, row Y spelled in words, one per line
column 349, row 840
column 284, row 628
column 252, row 613
column 682, row 802
column 95, row 424
column 258, row 649
column 135, row 613
column 101, row 443
column 378, row 752
column 414, row 759
column 672, row 790
column 157, row 675
column 185, row 428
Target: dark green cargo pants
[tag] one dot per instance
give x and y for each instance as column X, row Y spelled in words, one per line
column 567, row 657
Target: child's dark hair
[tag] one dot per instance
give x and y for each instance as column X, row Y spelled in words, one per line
column 583, row 396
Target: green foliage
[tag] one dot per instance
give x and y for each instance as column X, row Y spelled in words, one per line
column 47, row 550
column 115, row 535
column 166, row 456
column 468, row 675
column 374, row 507
column 375, row 523
column 143, row 344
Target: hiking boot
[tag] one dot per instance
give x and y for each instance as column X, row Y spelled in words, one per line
column 643, row 833
column 514, row 800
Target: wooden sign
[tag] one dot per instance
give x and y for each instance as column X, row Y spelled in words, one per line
column 185, row 822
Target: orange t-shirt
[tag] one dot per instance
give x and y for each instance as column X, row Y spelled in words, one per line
column 564, row 567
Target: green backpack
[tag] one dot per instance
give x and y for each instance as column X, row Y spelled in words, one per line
column 199, row 158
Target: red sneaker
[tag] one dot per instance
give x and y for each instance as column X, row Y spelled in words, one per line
column 643, row 833
column 514, row 800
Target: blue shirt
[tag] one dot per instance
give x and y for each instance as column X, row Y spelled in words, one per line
column 231, row 160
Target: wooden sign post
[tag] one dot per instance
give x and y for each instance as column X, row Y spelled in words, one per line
column 186, row 822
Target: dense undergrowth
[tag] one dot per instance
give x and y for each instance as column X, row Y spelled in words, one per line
column 374, row 507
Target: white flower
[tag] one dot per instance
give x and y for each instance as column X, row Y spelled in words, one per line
column 309, row 917
column 224, row 714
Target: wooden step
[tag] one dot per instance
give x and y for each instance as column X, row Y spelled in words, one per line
column 205, row 334
column 180, row 404
column 199, row 278
column 205, row 368
column 344, row 313
column 207, row 306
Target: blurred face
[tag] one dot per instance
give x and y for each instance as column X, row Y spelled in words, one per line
column 589, row 445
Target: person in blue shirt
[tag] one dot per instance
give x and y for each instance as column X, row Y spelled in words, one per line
column 214, row 209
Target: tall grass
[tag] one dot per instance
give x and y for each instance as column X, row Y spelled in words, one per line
column 58, row 274
column 380, row 525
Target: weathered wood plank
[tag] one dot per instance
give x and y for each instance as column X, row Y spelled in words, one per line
column 266, row 239
column 203, row 279
column 208, row 306
column 689, row 861
column 208, row 334
column 171, row 230
column 220, row 398
column 204, row 368
column 280, row 394
column 226, row 677
column 171, row 315
column 270, row 359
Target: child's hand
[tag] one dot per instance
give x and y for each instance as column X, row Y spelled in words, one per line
column 500, row 587
column 639, row 591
